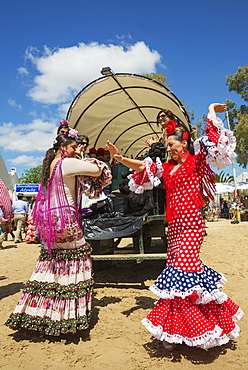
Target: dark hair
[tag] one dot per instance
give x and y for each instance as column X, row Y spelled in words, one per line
column 61, row 140
column 178, row 133
column 81, row 138
column 168, row 114
column 62, row 126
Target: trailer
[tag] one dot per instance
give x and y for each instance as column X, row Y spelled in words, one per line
column 122, row 108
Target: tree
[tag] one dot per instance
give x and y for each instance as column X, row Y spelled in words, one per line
column 223, row 177
column 31, row 176
column 201, row 126
column 161, row 78
column 239, row 82
column 238, row 116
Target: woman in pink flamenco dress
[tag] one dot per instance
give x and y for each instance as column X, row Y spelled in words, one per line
column 192, row 308
column 57, row 298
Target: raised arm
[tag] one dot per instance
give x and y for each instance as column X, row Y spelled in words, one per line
column 216, row 108
column 135, row 164
column 218, row 144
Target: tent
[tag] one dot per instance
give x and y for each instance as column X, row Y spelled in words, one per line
column 222, row 187
column 4, row 176
column 242, row 186
column 226, row 187
column 122, row 108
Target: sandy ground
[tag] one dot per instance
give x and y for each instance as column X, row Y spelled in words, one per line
column 117, row 339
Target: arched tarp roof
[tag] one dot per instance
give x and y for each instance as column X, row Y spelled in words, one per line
column 122, row 108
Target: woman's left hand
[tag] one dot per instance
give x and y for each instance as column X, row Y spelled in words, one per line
column 77, row 153
column 219, row 108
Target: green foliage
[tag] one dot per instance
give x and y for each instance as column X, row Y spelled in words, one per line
column 238, row 116
column 31, row 176
column 201, row 125
column 161, row 78
column 241, row 133
column 223, row 177
column 190, row 112
column 239, row 82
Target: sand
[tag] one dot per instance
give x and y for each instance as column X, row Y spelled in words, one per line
column 117, row 339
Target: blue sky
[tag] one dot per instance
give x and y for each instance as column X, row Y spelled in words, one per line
column 52, row 49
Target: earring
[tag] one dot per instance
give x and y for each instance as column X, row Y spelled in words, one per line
column 184, row 153
column 65, row 153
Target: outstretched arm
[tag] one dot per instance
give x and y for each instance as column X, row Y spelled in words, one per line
column 219, row 143
column 216, row 108
column 132, row 163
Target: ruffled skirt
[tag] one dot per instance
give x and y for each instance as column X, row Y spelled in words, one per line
column 192, row 309
column 57, row 298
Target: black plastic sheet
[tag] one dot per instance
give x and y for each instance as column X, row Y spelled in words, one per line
column 119, row 226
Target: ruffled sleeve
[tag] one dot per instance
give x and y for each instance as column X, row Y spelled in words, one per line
column 92, row 186
column 148, row 178
column 218, row 143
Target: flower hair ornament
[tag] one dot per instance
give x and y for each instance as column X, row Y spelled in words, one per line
column 185, row 136
column 55, row 142
column 63, row 122
column 170, row 127
column 73, row 133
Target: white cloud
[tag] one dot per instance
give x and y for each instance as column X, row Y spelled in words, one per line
column 31, row 137
column 22, row 71
column 26, row 160
column 65, row 71
column 13, row 104
column 63, row 109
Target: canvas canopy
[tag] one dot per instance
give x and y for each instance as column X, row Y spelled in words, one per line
column 224, row 187
column 123, row 108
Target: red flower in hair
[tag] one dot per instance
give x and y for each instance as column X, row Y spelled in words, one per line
column 185, row 136
column 170, row 127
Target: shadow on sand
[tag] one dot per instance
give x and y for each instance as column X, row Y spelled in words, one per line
column 193, row 354
column 10, row 289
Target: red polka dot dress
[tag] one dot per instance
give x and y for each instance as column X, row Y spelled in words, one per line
column 192, row 309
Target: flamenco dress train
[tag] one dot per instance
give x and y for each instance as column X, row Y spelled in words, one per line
column 191, row 308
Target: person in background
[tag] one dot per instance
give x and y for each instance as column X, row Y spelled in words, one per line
column 5, row 212
column 31, row 234
column 63, row 127
column 92, row 153
column 100, row 154
column 83, row 143
column 192, row 308
column 225, row 208
column 20, row 210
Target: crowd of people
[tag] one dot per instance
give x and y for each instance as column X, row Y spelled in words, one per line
column 192, row 308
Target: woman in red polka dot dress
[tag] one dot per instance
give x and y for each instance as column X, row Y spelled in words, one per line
column 192, row 309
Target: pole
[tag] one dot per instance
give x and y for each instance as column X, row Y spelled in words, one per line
column 233, row 165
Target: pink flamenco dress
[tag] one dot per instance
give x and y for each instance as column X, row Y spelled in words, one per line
column 192, row 308
column 57, row 298
column 31, row 235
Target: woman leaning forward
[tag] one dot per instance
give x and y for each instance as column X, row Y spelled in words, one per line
column 57, row 298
